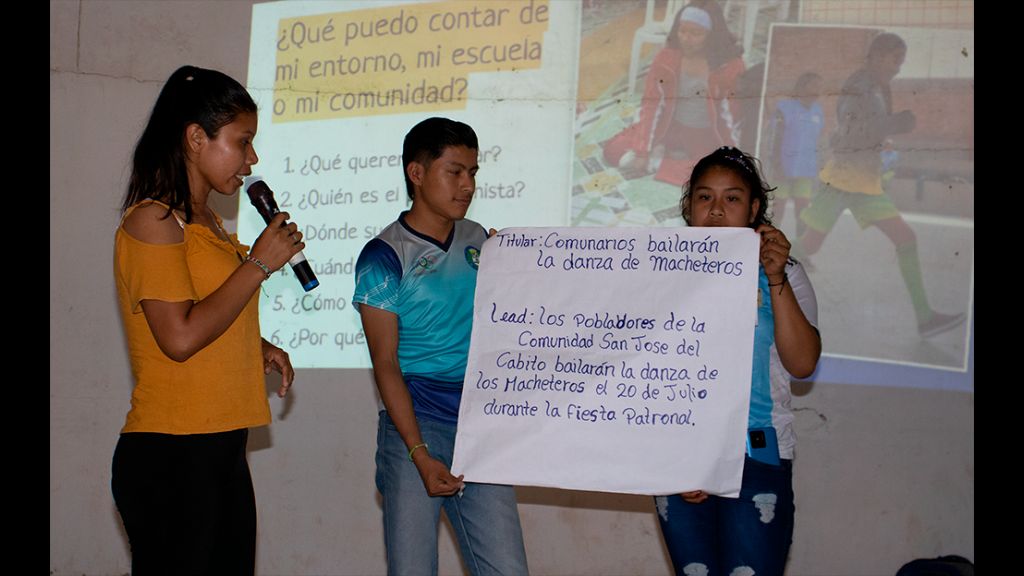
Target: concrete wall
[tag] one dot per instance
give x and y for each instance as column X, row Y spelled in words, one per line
column 883, row 474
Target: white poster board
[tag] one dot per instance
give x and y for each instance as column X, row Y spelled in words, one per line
column 614, row 360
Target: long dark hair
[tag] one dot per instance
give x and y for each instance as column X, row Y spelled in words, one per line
column 191, row 95
column 746, row 167
column 721, row 44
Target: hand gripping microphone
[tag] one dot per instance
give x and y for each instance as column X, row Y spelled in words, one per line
column 263, row 199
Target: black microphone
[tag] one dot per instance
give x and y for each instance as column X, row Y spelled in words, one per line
column 263, row 199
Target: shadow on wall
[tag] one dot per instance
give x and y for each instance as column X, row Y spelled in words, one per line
column 584, row 500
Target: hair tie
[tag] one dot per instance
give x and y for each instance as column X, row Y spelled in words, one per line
column 698, row 16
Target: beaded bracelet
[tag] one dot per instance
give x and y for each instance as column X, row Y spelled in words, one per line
column 785, row 278
column 256, row 261
column 416, row 447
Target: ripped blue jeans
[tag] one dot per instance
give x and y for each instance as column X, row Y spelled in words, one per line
column 733, row 536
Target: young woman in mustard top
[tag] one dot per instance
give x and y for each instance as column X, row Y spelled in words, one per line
column 188, row 294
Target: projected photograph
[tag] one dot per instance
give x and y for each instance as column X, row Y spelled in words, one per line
column 884, row 200
column 891, row 259
column 657, row 91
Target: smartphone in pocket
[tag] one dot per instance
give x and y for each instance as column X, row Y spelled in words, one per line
column 763, row 445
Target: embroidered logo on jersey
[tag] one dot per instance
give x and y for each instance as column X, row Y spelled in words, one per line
column 473, row 257
column 425, row 264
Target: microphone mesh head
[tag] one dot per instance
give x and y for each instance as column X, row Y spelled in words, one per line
column 258, row 189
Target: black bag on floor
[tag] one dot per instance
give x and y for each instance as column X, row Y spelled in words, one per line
column 941, row 566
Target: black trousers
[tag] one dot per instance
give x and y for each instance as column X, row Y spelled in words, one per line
column 187, row 503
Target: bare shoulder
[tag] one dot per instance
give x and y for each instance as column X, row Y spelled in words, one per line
column 151, row 224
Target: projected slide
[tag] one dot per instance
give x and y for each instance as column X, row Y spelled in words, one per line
column 592, row 113
column 340, row 83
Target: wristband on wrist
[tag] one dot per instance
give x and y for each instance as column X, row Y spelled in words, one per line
column 785, row 278
column 416, row 447
column 256, row 261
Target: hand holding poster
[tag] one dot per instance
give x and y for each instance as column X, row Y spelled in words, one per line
column 615, row 360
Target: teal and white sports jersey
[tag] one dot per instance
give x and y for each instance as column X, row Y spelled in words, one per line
column 430, row 287
column 770, row 393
